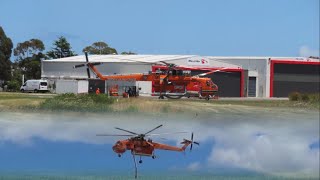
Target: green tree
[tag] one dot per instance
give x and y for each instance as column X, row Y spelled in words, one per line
column 28, row 59
column 61, row 49
column 100, row 48
column 128, row 53
column 5, row 53
column 28, row 48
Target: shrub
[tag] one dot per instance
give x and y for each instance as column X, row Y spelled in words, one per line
column 81, row 102
column 314, row 98
column 13, row 85
column 305, row 97
column 294, row 96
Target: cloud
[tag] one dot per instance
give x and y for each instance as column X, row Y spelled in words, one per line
column 194, row 166
column 282, row 152
column 305, row 51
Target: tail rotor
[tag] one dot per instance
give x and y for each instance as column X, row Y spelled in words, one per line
column 193, row 142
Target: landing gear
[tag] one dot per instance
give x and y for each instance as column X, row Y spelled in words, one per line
column 119, row 155
column 161, row 97
column 153, row 156
column 140, row 161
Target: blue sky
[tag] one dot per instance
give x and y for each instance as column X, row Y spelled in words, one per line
column 206, row 27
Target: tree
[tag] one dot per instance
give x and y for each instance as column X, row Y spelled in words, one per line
column 28, row 61
column 128, row 53
column 5, row 53
column 61, row 49
column 28, row 48
column 99, row 48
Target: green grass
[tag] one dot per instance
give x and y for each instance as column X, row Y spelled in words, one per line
column 312, row 100
column 103, row 103
column 80, row 103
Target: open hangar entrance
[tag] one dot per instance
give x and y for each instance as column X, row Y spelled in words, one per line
column 232, row 82
column 287, row 76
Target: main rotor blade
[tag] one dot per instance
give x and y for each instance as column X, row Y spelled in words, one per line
column 88, row 72
column 128, row 135
column 153, row 129
column 210, row 72
column 166, row 133
column 126, row 131
column 169, row 65
column 79, row 65
column 165, row 63
column 87, row 59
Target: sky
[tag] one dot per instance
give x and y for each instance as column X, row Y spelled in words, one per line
column 281, row 143
column 205, row 27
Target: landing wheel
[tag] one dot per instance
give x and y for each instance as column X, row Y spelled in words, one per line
column 119, row 155
column 161, row 97
column 153, row 156
column 140, row 161
column 35, row 91
column 207, row 98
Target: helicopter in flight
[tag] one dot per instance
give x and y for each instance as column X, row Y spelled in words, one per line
column 138, row 145
column 173, row 82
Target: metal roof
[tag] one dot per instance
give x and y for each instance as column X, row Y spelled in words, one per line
column 158, row 58
column 123, row 58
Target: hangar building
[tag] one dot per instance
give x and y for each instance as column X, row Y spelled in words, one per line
column 241, row 76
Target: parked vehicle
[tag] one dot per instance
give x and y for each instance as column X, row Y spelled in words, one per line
column 35, row 85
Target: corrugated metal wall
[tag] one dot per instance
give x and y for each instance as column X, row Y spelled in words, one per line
column 303, row 78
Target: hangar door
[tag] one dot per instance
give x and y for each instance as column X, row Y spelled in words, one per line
column 229, row 83
column 287, row 78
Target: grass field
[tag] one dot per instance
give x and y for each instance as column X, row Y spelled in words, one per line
column 93, row 103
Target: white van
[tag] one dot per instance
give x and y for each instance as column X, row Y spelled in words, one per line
column 34, row 85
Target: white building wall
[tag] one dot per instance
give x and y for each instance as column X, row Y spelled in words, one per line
column 145, row 87
column 66, row 86
column 83, row 86
column 71, row 86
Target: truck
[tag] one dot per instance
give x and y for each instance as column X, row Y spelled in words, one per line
column 35, row 85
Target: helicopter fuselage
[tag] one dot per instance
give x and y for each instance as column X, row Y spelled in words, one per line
column 172, row 84
column 139, row 147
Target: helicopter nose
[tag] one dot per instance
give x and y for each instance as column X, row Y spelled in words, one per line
column 118, row 149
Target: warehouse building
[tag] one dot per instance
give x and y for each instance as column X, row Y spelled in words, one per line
column 241, row 76
column 279, row 76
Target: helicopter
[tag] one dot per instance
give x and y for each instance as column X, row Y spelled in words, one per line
column 138, row 145
column 173, row 82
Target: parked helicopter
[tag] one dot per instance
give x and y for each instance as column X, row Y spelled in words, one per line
column 172, row 83
column 138, row 145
